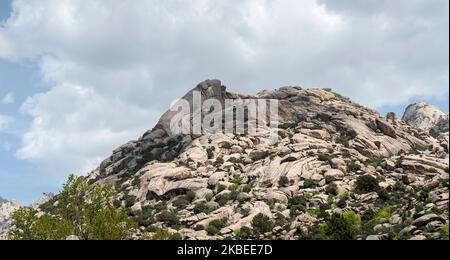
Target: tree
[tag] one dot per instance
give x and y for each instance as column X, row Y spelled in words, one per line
column 342, row 227
column 85, row 211
column 216, row 225
column 366, row 184
column 262, row 224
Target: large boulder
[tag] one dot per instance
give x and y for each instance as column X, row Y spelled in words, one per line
column 424, row 220
column 386, row 128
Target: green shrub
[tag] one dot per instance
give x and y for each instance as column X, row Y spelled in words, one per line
column 346, row 155
column 233, row 195
column 176, row 237
column 341, row 227
column 191, row 196
column 383, row 214
column 210, row 153
column 222, row 199
column 243, row 233
column 424, row 195
column 201, row 208
column 324, row 117
column 130, row 200
column 366, row 184
column 444, row 232
column 146, row 217
column 245, row 212
column 399, row 163
column 257, row 156
column 271, row 203
column 345, row 136
column 287, row 126
column 262, row 224
column 374, row 161
column 160, row 207
column 368, row 215
column 297, row 203
column 219, row 162
column 342, row 202
column 325, row 158
column 216, row 225
column 169, row 218
column 181, row 202
column 136, row 182
column 297, row 200
column 237, row 179
column 221, row 188
column 233, row 187
column 330, row 200
column 236, row 161
column 322, row 212
column 310, row 184
column 332, row 189
column 284, row 181
column 383, row 194
column 353, row 166
column 421, row 148
column 329, row 179
column 161, row 234
column 280, row 220
column 399, row 186
column 247, row 189
column 209, row 196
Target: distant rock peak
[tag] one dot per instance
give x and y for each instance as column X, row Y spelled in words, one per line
column 426, row 117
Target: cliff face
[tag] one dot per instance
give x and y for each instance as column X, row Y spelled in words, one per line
column 324, row 144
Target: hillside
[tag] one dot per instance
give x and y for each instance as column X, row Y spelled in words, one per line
column 331, row 156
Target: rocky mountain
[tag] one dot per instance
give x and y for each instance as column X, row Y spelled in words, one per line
column 329, row 156
column 426, row 117
column 6, row 209
column 46, row 197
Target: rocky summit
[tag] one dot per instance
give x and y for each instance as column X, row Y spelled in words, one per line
column 426, row 117
column 330, row 156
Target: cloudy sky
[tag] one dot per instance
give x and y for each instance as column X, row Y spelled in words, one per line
column 78, row 78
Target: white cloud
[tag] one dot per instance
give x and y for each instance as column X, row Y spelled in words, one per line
column 8, row 99
column 7, row 146
column 114, row 66
column 75, row 127
column 5, row 121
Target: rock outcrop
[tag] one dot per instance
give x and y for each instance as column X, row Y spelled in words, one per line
column 426, row 117
column 324, row 144
column 441, row 126
column 6, row 209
